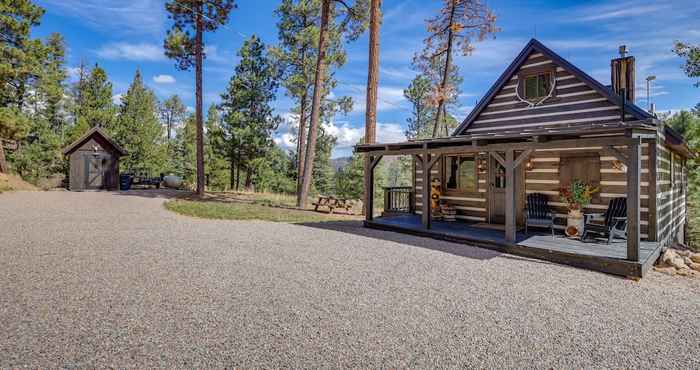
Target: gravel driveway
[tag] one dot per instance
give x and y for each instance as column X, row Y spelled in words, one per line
column 105, row 279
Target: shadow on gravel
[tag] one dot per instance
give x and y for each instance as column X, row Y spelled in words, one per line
column 156, row 193
column 461, row 250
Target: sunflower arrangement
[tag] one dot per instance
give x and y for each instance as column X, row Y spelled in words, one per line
column 577, row 195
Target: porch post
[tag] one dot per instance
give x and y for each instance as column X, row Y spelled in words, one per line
column 510, row 195
column 370, row 164
column 633, row 184
column 425, row 214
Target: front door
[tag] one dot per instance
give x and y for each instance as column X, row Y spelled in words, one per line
column 94, row 172
column 497, row 192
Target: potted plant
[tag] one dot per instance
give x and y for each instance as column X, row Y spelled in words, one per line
column 577, row 195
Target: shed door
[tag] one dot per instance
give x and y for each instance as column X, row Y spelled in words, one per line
column 94, row 171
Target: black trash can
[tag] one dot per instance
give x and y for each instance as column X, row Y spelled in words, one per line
column 124, row 182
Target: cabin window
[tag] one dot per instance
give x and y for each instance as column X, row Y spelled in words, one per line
column 461, row 173
column 537, row 86
column 582, row 167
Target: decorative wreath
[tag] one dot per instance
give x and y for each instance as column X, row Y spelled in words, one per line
column 534, row 104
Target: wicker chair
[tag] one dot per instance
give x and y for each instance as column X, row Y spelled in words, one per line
column 538, row 213
column 614, row 221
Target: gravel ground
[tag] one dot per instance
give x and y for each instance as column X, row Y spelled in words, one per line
column 111, row 280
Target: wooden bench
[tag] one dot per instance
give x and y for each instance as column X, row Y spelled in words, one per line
column 333, row 203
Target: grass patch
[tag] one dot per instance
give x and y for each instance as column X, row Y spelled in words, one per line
column 248, row 211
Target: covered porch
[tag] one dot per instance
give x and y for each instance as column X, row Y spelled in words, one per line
column 630, row 257
column 609, row 258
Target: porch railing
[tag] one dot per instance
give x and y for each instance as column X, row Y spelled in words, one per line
column 398, row 199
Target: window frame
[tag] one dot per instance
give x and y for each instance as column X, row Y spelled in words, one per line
column 445, row 175
column 536, row 72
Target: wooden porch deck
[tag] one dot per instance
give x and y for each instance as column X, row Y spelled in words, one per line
column 591, row 255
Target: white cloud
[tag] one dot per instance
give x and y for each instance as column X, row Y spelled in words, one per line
column 164, row 79
column 117, row 99
column 134, row 52
column 130, row 16
column 605, row 12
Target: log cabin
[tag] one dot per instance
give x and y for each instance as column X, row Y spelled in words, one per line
column 543, row 124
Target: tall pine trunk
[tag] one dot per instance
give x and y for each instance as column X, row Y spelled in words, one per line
column 232, row 175
column 3, row 161
column 326, row 10
column 372, row 82
column 198, row 102
column 301, row 141
column 445, row 73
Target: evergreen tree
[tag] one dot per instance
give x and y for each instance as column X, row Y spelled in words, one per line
column 172, row 112
column 51, row 85
column 39, row 156
column 198, row 16
column 185, row 163
column 296, row 54
column 215, row 164
column 272, row 172
column 248, row 117
column 350, row 179
column 93, row 103
column 138, row 129
column 419, row 94
column 353, row 24
column 19, row 53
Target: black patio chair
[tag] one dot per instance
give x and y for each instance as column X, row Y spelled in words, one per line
column 538, row 213
column 611, row 224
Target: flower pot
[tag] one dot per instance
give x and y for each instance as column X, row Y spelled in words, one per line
column 574, row 223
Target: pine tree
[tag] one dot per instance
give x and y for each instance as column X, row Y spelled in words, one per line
column 199, row 16
column 172, row 112
column 20, row 54
column 353, row 24
column 93, row 103
column 51, row 85
column 19, row 65
column 459, row 24
column 296, row 54
column 185, row 163
column 248, row 117
column 215, row 164
column 418, row 94
column 138, row 129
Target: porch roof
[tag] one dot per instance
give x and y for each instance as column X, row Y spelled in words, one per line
column 588, row 130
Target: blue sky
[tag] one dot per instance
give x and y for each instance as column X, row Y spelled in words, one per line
column 123, row 35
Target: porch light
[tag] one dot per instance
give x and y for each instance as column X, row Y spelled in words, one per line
column 529, row 165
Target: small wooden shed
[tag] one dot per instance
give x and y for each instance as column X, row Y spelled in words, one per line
column 94, row 162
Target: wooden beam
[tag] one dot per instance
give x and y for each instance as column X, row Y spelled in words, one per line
column 425, row 216
column 510, row 196
column 568, row 143
column 434, row 160
column 623, row 157
column 522, row 156
column 369, row 188
column 633, row 186
column 375, row 161
column 498, row 158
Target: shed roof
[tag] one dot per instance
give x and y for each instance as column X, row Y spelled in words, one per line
column 90, row 133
